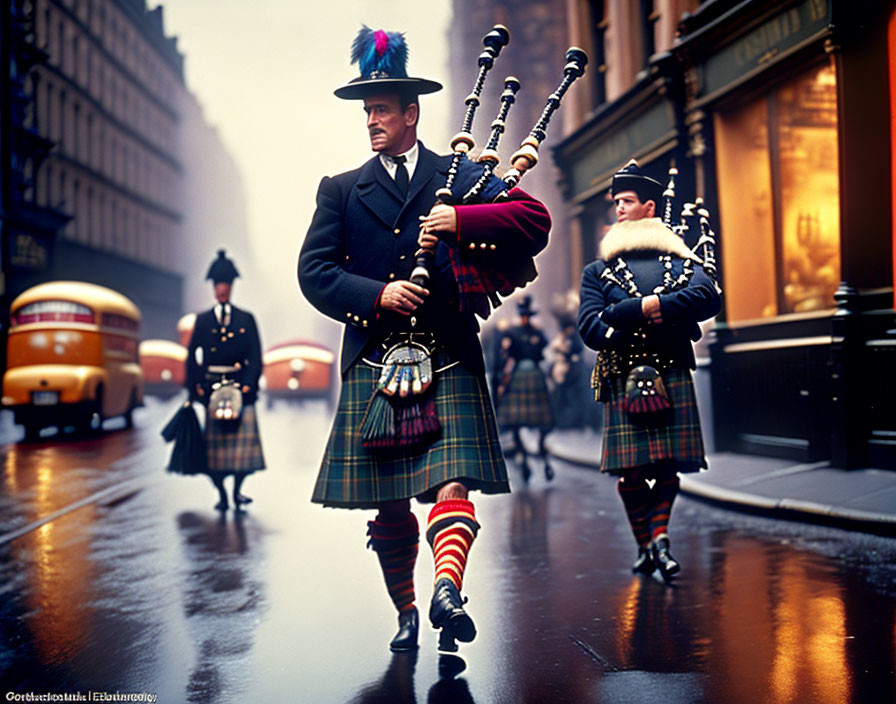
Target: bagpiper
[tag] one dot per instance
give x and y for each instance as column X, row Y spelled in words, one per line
column 641, row 302
column 223, row 369
column 414, row 419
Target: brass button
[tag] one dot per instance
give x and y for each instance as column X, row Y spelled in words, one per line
column 391, row 276
column 472, row 245
column 492, row 247
column 396, row 231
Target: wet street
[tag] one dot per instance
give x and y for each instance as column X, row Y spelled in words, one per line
column 117, row 577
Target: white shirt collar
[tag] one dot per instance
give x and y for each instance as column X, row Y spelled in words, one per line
column 411, row 155
column 222, row 313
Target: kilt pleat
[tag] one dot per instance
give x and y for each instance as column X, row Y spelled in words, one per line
column 526, row 402
column 234, row 449
column 352, row 476
column 678, row 440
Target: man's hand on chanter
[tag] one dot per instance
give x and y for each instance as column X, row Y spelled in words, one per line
column 402, row 297
column 439, row 223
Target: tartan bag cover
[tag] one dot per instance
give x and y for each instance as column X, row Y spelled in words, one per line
column 677, row 438
column 352, row 476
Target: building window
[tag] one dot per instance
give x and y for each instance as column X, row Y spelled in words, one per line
column 61, row 120
column 598, row 68
column 779, row 197
column 76, row 131
column 649, row 16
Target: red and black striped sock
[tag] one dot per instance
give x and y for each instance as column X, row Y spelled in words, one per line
column 635, row 495
column 450, row 532
column 663, row 495
column 396, row 546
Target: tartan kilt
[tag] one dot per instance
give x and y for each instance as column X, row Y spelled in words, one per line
column 525, row 402
column 677, row 441
column 232, row 449
column 468, row 449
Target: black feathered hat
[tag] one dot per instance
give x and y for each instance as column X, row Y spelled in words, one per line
column 632, row 178
column 382, row 58
column 222, row 269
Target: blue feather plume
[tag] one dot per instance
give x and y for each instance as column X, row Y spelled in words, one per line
column 380, row 53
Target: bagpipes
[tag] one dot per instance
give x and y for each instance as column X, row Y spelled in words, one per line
column 401, row 414
column 693, row 216
column 481, row 287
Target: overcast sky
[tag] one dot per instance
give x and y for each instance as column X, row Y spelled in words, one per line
column 264, row 72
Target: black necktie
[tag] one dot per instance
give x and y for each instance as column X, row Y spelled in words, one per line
column 401, row 174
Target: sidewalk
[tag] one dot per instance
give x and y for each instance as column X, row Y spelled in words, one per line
column 862, row 499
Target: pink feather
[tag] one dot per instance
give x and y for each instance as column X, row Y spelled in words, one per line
column 382, row 41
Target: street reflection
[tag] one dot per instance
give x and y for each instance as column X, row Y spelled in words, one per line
column 222, row 600
column 396, row 686
column 59, row 572
column 653, row 630
column 810, row 635
column 450, row 689
column 781, row 625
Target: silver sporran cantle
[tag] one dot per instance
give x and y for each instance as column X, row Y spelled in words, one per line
column 226, row 400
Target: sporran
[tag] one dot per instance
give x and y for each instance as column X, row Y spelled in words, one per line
column 402, row 411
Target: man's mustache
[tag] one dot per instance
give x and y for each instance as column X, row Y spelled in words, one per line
column 376, row 130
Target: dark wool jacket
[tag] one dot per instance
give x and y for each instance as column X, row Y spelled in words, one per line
column 524, row 342
column 238, row 343
column 608, row 315
column 363, row 236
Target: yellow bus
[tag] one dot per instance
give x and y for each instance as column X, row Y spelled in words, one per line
column 72, row 357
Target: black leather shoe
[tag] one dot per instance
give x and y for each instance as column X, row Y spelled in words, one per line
column 221, row 506
column 644, row 563
column 242, row 500
column 446, row 611
column 662, row 558
column 527, row 473
column 408, row 627
column 548, row 471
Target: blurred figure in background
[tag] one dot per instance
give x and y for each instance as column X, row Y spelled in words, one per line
column 570, row 397
column 522, row 397
column 223, row 369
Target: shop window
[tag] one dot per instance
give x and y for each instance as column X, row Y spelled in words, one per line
column 779, row 197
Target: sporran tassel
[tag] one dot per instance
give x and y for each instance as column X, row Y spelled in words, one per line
column 418, row 423
column 378, row 429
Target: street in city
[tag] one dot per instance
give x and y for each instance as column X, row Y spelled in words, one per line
column 120, row 578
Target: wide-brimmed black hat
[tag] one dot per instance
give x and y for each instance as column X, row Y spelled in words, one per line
column 222, row 270
column 632, row 178
column 382, row 58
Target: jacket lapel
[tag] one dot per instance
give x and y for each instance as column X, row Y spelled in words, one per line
column 378, row 192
